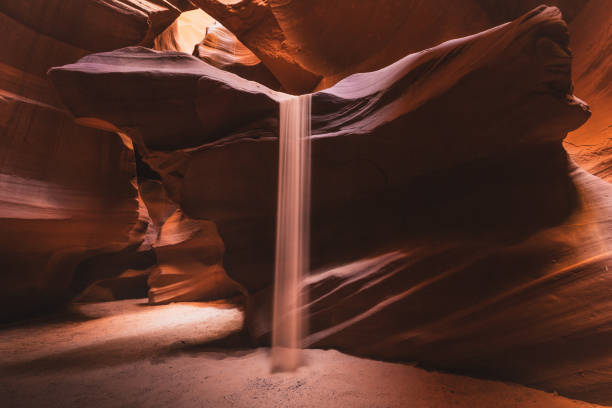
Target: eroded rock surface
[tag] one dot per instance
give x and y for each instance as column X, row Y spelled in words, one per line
column 332, row 40
column 445, row 210
column 373, row 133
column 96, row 25
column 591, row 145
column 67, row 192
column 189, row 263
column 305, row 42
column 222, row 49
column 185, row 33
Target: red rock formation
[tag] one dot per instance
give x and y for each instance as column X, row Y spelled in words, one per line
column 185, row 33
column 525, row 299
column 304, row 41
column 67, row 192
column 591, row 145
column 222, row 49
column 314, row 35
column 256, row 26
column 440, row 178
column 365, row 108
column 189, row 263
column 96, row 25
column 189, row 253
column 501, row 11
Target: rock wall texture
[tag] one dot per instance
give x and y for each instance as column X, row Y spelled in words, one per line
column 398, row 105
column 313, row 37
column 222, row 49
column 591, row 145
column 445, row 210
column 185, row 33
column 96, row 25
column 449, row 224
column 68, row 192
column 303, row 41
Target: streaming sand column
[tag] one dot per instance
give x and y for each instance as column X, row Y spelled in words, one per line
column 292, row 232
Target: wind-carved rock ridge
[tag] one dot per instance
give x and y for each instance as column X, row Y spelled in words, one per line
column 255, row 25
column 97, row 25
column 445, row 210
column 591, row 145
column 70, row 210
column 190, row 108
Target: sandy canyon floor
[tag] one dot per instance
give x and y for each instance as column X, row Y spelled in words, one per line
column 129, row 354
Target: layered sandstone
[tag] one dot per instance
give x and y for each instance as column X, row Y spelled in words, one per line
column 591, row 145
column 185, row 33
column 222, row 49
column 97, row 25
column 314, row 36
column 445, row 210
column 302, row 40
column 368, row 129
column 69, row 210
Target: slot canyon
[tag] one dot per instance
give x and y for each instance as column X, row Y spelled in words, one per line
column 306, row 203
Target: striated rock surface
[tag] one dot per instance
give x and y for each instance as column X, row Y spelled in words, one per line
column 189, row 263
column 96, row 25
column 445, row 210
column 256, row 26
column 185, row 33
column 335, row 39
column 222, row 49
column 304, row 42
column 69, row 210
column 501, row 11
column 188, row 253
column 373, row 132
column 525, row 298
column 315, row 34
column 591, row 145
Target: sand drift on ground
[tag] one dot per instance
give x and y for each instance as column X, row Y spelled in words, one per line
column 126, row 353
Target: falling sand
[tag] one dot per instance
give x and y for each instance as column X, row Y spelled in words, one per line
column 292, row 231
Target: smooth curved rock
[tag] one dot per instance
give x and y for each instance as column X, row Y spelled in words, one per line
column 501, row 11
column 174, row 91
column 185, row 33
column 189, row 263
column 256, row 26
column 96, row 25
column 68, row 192
column 444, row 207
column 373, row 132
column 335, row 39
column 512, row 301
column 591, row 145
column 222, row 49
